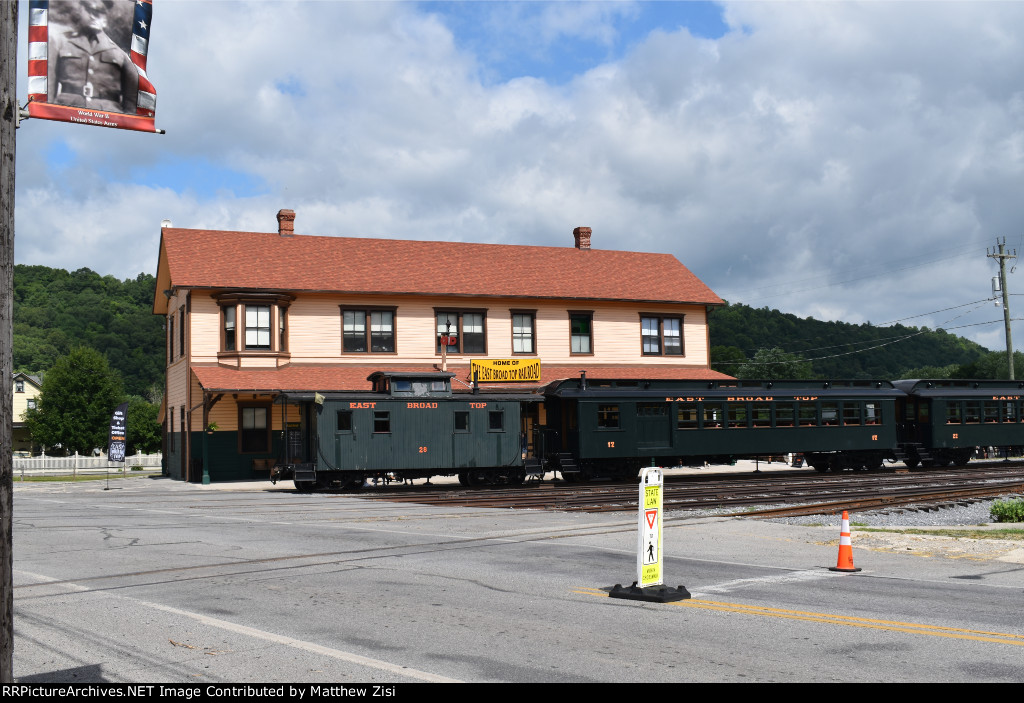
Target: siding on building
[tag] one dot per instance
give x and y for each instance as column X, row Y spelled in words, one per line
column 316, row 277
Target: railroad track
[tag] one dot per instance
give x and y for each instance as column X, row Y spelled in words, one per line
column 787, row 493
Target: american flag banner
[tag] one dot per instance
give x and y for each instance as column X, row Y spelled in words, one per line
column 87, row 63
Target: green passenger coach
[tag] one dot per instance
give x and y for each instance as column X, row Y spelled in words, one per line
column 942, row 421
column 614, row 426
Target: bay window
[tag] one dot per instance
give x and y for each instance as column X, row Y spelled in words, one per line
column 253, row 323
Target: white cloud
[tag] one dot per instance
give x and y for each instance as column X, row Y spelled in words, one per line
column 812, row 144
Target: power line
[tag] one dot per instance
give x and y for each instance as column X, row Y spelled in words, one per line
column 978, row 303
column 935, row 312
column 895, row 340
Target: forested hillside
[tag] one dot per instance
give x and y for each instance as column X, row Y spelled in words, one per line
column 55, row 311
column 834, row 349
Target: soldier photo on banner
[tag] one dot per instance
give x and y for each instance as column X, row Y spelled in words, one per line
column 86, row 67
column 87, row 63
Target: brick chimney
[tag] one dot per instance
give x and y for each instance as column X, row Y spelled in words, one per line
column 582, row 237
column 286, row 223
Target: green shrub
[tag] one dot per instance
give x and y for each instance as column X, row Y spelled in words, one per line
column 1008, row 511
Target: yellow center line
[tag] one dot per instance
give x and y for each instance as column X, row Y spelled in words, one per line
column 846, row 620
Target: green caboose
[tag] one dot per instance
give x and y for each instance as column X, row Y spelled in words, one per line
column 411, row 425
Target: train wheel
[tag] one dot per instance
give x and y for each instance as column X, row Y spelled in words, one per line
column 463, row 478
column 873, row 461
column 479, row 478
column 911, row 463
column 962, row 456
column 818, row 462
column 305, row 486
column 515, row 477
column 839, row 462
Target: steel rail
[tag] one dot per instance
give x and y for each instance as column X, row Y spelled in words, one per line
column 864, row 492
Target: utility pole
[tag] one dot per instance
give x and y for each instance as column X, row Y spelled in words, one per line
column 9, row 109
column 1001, row 256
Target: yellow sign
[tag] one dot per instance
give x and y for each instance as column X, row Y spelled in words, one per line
column 648, row 562
column 652, row 497
column 505, row 370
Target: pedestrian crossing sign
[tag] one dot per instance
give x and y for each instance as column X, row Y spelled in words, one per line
column 649, row 548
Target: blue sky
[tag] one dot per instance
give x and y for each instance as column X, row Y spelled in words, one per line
column 504, row 37
column 842, row 160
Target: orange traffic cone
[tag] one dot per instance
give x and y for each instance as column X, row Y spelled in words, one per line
column 845, row 548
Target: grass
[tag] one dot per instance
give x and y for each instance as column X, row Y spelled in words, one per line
column 1012, row 533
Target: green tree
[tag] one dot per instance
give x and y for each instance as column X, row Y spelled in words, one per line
column 74, row 406
column 992, row 365
column 931, row 372
column 727, row 359
column 55, row 311
column 773, row 364
column 144, row 432
column 838, row 349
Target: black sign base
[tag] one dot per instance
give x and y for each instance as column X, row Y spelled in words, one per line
column 652, row 594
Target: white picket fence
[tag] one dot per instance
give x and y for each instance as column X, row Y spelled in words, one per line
column 73, row 465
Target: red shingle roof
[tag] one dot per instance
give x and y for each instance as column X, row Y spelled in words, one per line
column 343, row 377
column 254, row 260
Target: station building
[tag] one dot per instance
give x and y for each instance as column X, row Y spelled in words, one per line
column 253, row 317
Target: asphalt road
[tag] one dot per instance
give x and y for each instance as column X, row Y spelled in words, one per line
column 160, row 581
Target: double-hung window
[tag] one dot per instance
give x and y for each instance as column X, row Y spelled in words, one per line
column 282, row 329
column 368, row 330
column 229, row 328
column 522, row 333
column 581, row 337
column 661, row 336
column 467, row 327
column 257, row 326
